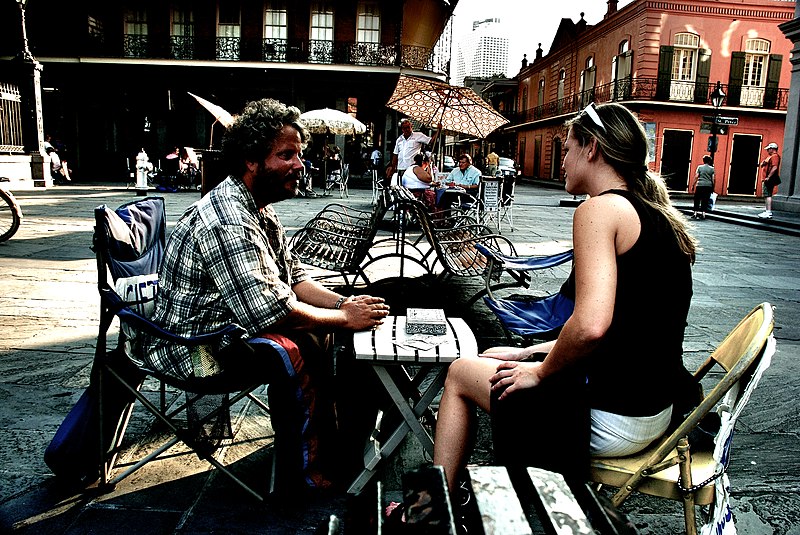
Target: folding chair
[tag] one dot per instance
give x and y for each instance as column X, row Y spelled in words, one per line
column 343, row 191
column 377, row 186
column 507, row 201
column 529, row 317
column 129, row 244
column 338, row 179
column 674, row 468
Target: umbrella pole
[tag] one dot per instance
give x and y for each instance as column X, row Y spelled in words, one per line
column 211, row 137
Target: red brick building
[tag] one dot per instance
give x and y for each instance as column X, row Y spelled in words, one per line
column 663, row 61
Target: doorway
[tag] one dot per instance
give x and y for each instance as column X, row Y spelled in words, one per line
column 743, row 174
column 676, row 158
column 555, row 162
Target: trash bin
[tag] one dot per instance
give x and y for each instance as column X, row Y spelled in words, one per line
column 211, row 172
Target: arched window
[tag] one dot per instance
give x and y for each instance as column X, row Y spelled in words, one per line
column 540, row 95
column 588, row 77
column 621, row 70
column 756, row 59
column 562, row 77
column 684, row 66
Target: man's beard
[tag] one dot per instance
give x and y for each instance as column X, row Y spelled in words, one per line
column 271, row 186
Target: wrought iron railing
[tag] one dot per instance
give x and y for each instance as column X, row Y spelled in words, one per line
column 660, row 91
column 10, row 118
column 271, row 50
column 181, row 47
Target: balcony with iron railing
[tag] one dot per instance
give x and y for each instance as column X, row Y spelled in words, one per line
column 270, row 50
column 656, row 90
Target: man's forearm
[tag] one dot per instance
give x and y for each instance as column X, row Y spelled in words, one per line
column 315, row 294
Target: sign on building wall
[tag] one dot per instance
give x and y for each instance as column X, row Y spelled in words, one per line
column 650, row 132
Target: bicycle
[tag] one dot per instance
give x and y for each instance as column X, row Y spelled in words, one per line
column 10, row 213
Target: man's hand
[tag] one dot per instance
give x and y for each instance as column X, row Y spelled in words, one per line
column 364, row 312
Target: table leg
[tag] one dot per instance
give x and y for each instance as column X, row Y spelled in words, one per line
column 411, row 415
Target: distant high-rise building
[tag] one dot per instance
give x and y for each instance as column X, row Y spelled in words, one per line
column 481, row 53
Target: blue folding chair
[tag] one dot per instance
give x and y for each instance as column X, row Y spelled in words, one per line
column 528, row 317
column 129, row 244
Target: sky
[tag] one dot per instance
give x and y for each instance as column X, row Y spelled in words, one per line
column 528, row 23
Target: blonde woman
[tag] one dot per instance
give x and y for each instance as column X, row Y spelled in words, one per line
column 607, row 384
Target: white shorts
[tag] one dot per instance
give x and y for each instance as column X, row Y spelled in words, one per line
column 614, row 435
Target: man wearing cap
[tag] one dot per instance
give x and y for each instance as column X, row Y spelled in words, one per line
column 770, row 169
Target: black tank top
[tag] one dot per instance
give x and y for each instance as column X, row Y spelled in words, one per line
column 637, row 368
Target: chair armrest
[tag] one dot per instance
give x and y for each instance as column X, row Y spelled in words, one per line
column 140, row 323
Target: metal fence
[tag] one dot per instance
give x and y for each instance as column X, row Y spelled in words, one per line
column 10, row 118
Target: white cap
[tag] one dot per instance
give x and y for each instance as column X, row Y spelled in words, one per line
column 772, row 146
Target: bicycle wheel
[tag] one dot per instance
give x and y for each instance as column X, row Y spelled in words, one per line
column 10, row 215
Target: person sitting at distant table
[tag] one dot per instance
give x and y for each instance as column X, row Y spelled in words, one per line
column 466, row 176
column 418, row 179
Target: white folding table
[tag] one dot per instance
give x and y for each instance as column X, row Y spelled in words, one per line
column 386, row 349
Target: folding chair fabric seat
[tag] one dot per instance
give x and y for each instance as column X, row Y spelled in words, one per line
column 524, row 316
column 536, row 317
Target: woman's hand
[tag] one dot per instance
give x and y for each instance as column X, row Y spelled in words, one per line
column 513, row 376
column 505, row 353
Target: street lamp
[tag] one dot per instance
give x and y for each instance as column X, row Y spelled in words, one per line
column 26, row 52
column 29, row 76
column 717, row 97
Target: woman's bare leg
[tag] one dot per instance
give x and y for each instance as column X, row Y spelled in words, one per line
column 466, row 387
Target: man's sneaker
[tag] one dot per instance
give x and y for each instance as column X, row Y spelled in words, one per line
column 766, row 214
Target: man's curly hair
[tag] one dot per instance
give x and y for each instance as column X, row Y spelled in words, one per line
column 252, row 135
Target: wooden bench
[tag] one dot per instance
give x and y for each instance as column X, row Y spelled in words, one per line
column 531, row 500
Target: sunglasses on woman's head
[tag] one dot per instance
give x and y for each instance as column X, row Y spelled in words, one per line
column 591, row 111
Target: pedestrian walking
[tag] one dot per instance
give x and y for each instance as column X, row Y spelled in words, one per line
column 703, row 188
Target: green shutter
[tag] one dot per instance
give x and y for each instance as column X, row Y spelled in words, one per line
column 664, row 72
column 735, row 80
column 773, row 78
column 701, row 80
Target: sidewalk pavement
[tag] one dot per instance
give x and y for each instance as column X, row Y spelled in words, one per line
column 50, row 308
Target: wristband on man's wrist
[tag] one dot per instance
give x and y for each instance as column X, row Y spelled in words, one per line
column 339, row 303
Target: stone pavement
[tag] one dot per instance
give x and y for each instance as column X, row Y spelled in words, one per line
column 50, row 309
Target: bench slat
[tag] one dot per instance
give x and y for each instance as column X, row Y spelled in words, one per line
column 501, row 511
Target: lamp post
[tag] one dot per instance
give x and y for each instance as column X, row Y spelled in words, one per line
column 30, row 76
column 26, row 52
column 717, row 97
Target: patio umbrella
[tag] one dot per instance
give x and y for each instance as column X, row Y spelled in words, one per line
column 328, row 121
column 458, row 109
column 220, row 114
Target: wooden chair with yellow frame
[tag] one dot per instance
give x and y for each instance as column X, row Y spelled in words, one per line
column 668, row 468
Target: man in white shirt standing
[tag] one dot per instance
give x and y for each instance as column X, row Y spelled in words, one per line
column 407, row 145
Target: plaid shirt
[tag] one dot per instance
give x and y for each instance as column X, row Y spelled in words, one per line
column 226, row 262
